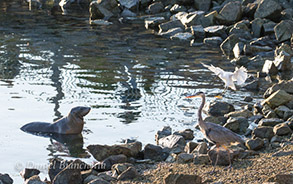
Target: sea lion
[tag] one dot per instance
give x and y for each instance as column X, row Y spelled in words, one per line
column 70, row 124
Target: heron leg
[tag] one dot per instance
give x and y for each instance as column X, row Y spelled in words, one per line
column 217, row 158
column 229, row 157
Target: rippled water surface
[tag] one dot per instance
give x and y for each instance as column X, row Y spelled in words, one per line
column 134, row 81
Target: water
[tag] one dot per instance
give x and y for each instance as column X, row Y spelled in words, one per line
column 134, row 81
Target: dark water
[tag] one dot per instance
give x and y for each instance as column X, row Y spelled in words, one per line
column 134, row 81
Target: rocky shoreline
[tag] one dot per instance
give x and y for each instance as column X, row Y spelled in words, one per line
column 254, row 34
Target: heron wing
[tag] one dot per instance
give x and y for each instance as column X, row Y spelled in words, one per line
column 219, row 134
column 240, row 75
column 214, row 69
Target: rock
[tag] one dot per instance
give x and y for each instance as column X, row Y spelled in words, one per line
column 283, row 85
column 128, row 174
column 268, row 27
column 172, row 141
column 155, row 7
column 276, row 138
column 257, row 26
column 129, row 4
column 177, row 8
column 243, row 113
column 269, row 9
column 187, row 134
column 228, row 45
column 243, row 33
column 27, row 173
column 282, row 129
column 100, row 152
column 154, row 152
column 270, row 122
column 34, row 180
column 56, row 166
column 195, row 18
column 70, row 174
column 217, row 108
column 182, row 179
column 263, row 132
column 237, row 124
column 5, row 179
column 238, row 49
column 100, row 22
column 248, row 99
column 198, row 32
column 278, row 98
column 216, row 119
column 202, row 148
column 281, row 178
column 284, row 48
column 128, row 13
column 230, row 13
column 190, row 146
column 203, row 5
column 153, row 22
column 183, row 158
column 270, row 68
column 170, row 25
column 283, row 62
column 223, row 156
column 171, row 32
column 282, row 153
column 280, row 111
column 182, row 36
column 104, row 9
column 166, row 131
column 288, row 114
column 283, row 30
column 201, row 159
column 254, row 144
column 106, row 164
column 210, row 18
column 117, row 169
column 218, row 30
column 214, row 41
column 99, row 181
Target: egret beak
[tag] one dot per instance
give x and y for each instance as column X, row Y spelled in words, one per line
column 193, row 96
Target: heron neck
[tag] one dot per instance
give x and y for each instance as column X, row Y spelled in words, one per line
column 200, row 108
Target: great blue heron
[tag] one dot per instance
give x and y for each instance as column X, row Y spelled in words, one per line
column 239, row 75
column 216, row 134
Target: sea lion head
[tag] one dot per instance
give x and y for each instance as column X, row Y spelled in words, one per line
column 79, row 111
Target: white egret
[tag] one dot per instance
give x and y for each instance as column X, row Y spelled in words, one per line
column 239, row 75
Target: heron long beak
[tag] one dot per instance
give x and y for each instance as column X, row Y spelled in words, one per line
column 192, row 96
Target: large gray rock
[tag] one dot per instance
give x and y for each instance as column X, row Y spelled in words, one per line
column 257, row 26
column 153, row 22
column 183, row 158
column 282, row 129
column 270, row 122
column 6, row 179
column 263, row 132
column 237, row 124
column 155, row 7
column 172, row 141
column 117, row 169
column 283, row 61
column 270, row 68
column 27, row 173
column 278, row 98
column 243, row 113
column 281, row 110
column 106, row 164
column 217, row 108
column 230, row 13
column 167, row 130
column 170, row 25
column 218, row 30
column 154, row 152
column 128, row 174
column 104, row 9
column 228, row 45
column 202, row 148
column 283, row 30
column 223, row 156
column 201, row 159
column 203, row 5
column 34, row 180
column 283, row 85
column 70, row 174
column 100, row 152
column 190, row 146
column 254, row 144
column 269, row 9
column 187, row 134
column 182, row 179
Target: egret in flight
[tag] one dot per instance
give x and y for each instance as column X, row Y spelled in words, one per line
column 216, row 134
column 239, row 75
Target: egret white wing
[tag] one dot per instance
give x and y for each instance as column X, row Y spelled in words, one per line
column 214, row 69
column 240, row 75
